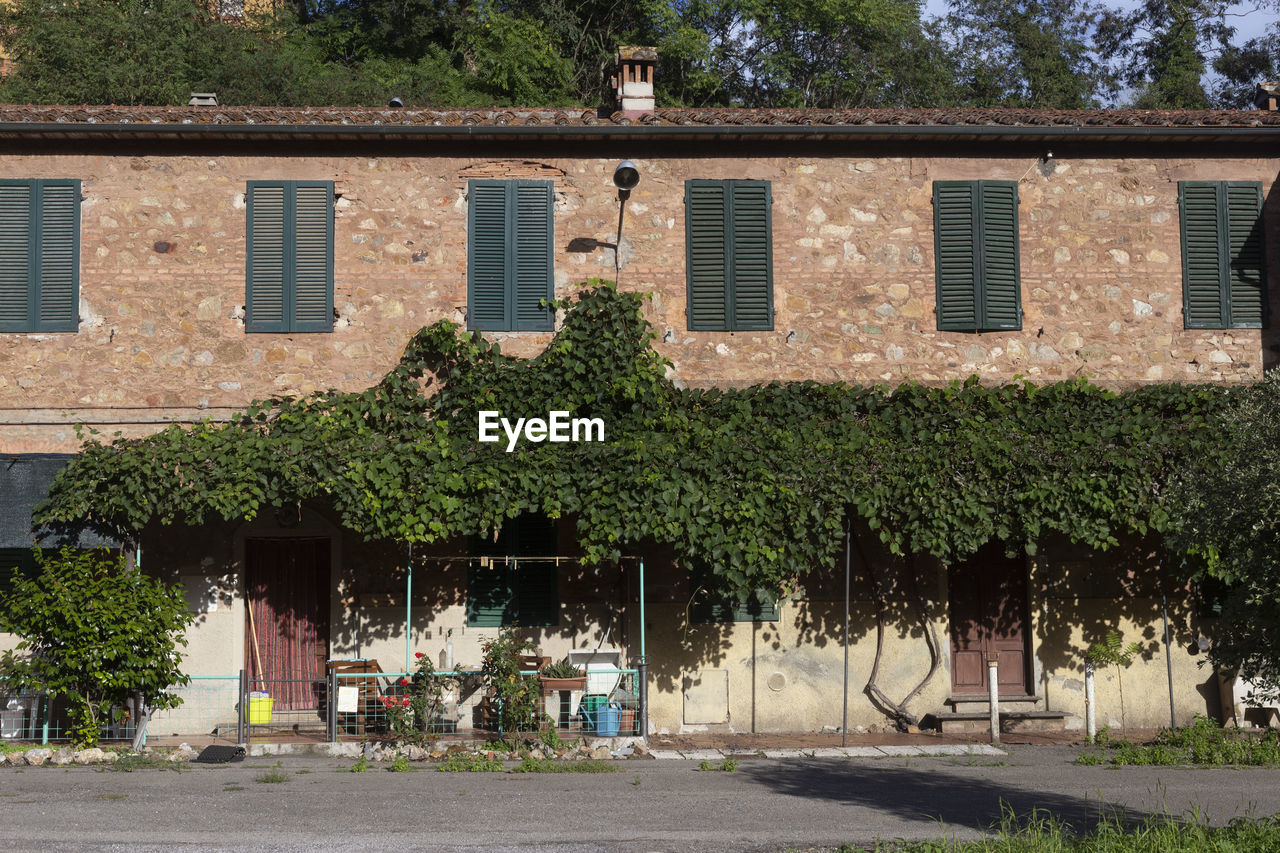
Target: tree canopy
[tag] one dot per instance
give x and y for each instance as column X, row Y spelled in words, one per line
column 1063, row 54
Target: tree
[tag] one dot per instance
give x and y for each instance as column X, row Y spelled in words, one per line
column 1160, row 49
column 1226, row 524
column 1029, row 53
column 95, row 632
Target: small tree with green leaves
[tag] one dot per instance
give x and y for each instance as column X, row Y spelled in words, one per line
column 1111, row 651
column 94, row 632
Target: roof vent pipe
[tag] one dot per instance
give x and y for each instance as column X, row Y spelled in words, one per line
column 203, row 99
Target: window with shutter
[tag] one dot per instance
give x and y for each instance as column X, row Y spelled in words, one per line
column 714, row 604
column 289, row 256
column 39, row 255
column 976, row 255
column 520, row 585
column 1223, row 263
column 510, row 229
column 729, row 255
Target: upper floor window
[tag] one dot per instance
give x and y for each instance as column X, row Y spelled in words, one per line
column 289, row 257
column 39, row 255
column 1223, row 274
column 509, row 238
column 975, row 228
column 729, row 255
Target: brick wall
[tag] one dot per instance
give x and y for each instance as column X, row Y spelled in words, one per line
column 162, row 277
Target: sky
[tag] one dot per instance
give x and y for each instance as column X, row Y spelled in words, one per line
column 1248, row 24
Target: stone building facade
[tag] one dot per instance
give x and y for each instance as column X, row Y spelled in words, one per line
column 161, row 301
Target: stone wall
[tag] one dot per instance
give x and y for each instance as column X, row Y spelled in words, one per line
column 162, row 277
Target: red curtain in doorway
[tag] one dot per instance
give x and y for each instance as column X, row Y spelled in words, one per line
column 287, row 586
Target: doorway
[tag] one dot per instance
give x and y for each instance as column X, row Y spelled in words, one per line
column 287, row 624
column 987, row 595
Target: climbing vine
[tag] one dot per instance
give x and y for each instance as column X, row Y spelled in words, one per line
column 754, row 483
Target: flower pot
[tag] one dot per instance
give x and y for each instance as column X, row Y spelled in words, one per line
column 564, row 683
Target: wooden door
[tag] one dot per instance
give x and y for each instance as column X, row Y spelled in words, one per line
column 988, row 604
column 287, row 636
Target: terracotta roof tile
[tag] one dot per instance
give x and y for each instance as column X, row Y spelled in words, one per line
column 581, row 117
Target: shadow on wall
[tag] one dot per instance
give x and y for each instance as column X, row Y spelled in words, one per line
column 1271, row 221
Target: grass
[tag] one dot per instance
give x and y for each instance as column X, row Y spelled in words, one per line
column 1044, row 833
column 728, row 765
column 1203, row 743
column 461, row 762
column 400, row 765
column 361, row 765
column 535, row 765
column 273, row 776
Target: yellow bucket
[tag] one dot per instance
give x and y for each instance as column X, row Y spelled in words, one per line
column 260, row 710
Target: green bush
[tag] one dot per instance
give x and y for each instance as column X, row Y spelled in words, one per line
column 95, row 632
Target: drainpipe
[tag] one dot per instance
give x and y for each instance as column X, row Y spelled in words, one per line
column 1168, row 660
column 408, row 609
column 643, row 667
column 844, row 717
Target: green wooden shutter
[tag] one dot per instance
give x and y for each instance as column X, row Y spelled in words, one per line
column 955, row 240
column 59, row 256
column 1204, row 280
column 289, row 257
column 532, row 227
column 489, row 598
column 1000, row 289
column 487, row 256
column 1247, row 279
column 312, row 257
column 706, row 244
column 266, row 307
column 17, row 276
column 40, row 255
column 751, row 256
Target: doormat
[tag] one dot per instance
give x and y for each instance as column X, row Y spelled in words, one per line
column 220, row 754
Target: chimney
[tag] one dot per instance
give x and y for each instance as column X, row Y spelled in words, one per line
column 1267, row 96
column 633, row 84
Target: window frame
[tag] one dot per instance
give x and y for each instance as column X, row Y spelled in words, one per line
column 36, row 262
column 511, row 265
column 517, row 538
column 1222, row 235
column 730, row 238
column 980, row 247
column 289, row 322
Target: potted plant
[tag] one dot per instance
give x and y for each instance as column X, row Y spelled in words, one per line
column 562, row 676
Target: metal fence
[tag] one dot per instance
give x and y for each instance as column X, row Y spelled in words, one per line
column 383, row 705
column 356, row 705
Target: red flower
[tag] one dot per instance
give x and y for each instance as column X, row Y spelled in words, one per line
column 417, row 654
column 405, row 702
column 404, row 681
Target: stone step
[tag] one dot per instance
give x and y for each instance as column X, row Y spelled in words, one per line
column 952, row 722
column 980, row 704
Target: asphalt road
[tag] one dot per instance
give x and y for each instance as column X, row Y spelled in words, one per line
column 646, row 806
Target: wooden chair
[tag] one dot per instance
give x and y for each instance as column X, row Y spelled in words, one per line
column 367, row 703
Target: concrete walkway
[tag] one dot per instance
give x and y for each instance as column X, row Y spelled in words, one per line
column 885, row 751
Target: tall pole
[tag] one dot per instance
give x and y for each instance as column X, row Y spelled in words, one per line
column 643, row 673
column 844, row 717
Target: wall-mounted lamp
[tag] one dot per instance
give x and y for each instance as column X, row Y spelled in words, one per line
column 625, row 178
